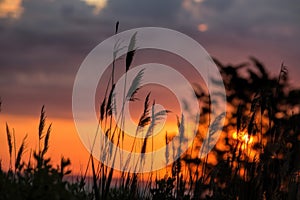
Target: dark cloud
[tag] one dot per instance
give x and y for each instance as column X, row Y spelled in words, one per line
column 41, row 51
column 256, row 18
column 152, row 11
column 219, row 6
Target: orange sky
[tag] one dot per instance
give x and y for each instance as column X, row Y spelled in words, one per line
column 64, row 140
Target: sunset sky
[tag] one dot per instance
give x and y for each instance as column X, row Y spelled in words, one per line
column 43, row 43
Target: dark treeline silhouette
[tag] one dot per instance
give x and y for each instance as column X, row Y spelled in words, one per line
column 267, row 110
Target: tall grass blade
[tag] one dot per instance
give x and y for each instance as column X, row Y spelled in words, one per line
column 46, row 141
column 131, row 51
column 110, row 102
column 145, row 118
column 102, row 109
column 251, row 125
column 117, row 27
column 18, row 165
column 167, row 153
column 95, row 186
column 239, row 118
column 135, row 85
column 9, row 140
column 42, row 123
column 10, row 145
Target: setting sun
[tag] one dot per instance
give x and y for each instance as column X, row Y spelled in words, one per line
column 242, row 137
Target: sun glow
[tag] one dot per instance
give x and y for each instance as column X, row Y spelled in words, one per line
column 97, row 4
column 243, row 137
column 202, row 27
column 11, row 8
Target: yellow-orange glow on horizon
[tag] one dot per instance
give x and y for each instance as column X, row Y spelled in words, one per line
column 243, row 137
column 202, row 27
column 246, row 143
column 11, row 8
column 65, row 141
column 97, row 4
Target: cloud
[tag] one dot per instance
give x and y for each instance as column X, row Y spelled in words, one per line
column 97, row 4
column 154, row 10
column 43, row 47
column 11, row 8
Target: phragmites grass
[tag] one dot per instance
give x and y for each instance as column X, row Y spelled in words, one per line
column 167, row 152
column 42, row 123
column 149, row 132
column 110, row 107
column 145, row 118
column 131, row 51
column 38, row 179
column 9, row 143
column 43, row 148
column 18, row 165
column 135, row 86
column 46, row 140
column 155, row 117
